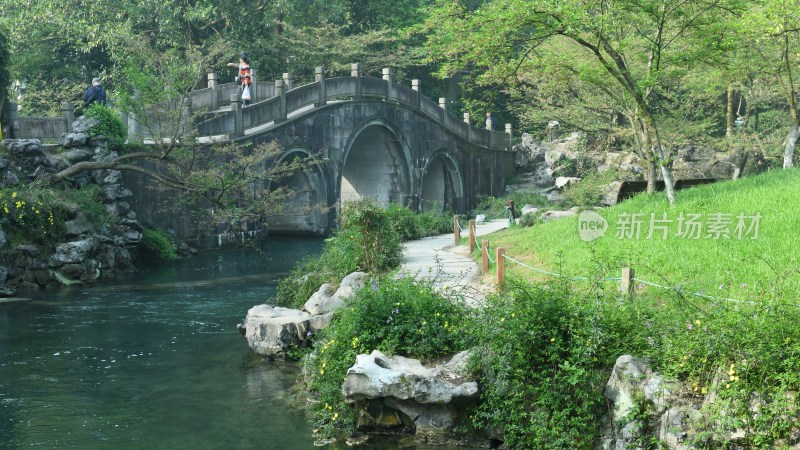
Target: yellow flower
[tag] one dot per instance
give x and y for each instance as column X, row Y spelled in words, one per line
column 502, row 319
column 322, row 371
column 552, row 339
column 697, row 322
column 445, row 324
column 13, row 195
column 704, row 391
column 335, row 416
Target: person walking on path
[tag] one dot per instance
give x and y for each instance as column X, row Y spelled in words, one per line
column 244, row 79
column 95, row 94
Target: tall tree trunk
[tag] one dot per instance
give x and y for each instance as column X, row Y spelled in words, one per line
column 657, row 151
column 789, row 90
column 791, row 141
column 729, row 114
column 643, row 145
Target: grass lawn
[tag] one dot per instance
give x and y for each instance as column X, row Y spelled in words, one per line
column 711, row 254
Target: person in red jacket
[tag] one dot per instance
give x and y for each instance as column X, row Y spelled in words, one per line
column 244, row 79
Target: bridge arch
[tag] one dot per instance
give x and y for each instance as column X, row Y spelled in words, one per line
column 441, row 186
column 306, row 207
column 376, row 165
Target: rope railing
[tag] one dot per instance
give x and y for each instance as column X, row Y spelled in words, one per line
column 627, row 280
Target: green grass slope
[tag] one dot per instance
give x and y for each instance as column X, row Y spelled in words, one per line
column 748, row 261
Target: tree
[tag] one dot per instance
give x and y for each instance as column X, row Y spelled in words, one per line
column 773, row 27
column 5, row 79
column 234, row 179
column 631, row 50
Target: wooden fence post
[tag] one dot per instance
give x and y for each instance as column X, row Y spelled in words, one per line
column 627, row 281
column 501, row 266
column 456, row 229
column 484, row 257
column 471, row 236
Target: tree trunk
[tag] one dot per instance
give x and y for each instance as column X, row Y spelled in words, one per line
column 729, row 114
column 788, row 151
column 651, row 176
column 741, row 162
column 645, row 154
column 658, row 155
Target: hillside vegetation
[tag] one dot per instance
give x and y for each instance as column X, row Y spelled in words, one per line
column 760, row 265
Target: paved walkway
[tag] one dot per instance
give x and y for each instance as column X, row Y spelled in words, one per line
column 448, row 266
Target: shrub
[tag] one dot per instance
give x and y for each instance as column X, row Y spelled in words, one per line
column 589, row 191
column 110, row 124
column 542, row 359
column 396, row 317
column 28, row 216
column 89, row 200
column 159, row 243
column 368, row 239
column 31, row 214
column 496, row 207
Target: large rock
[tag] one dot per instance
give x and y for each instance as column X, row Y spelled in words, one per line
column 630, row 377
column 562, row 182
column 69, row 140
column 325, row 300
column 393, row 392
column 322, row 301
column 83, row 124
column 116, row 192
column 78, row 226
column 272, row 330
column 72, row 252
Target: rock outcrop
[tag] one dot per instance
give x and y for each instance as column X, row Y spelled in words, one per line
column 393, row 393
column 548, row 167
column 272, row 331
column 645, row 407
column 89, row 252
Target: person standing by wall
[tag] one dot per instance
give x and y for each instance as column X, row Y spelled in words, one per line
column 244, row 79
column 95, row 94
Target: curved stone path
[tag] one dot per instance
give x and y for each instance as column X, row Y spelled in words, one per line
column 449, row 267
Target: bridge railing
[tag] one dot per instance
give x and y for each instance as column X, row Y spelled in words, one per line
column 36, row 127
column 317, row 93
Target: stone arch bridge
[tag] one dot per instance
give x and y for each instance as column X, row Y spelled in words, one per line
column 363, row 137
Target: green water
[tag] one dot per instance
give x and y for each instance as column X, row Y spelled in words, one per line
column 152, row 361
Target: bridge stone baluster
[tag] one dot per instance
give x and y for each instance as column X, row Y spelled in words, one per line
column 469, row 127
column 443, row 103
column 355, row 72
column 287, row 81
column 188, row 111
column 415, row 86
column 212, row 84
column 509, row 135
column 280, row 91
column 236, row 107
column 319, row 77
column 253, row 87
column 69, row 114
column 387, row 75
